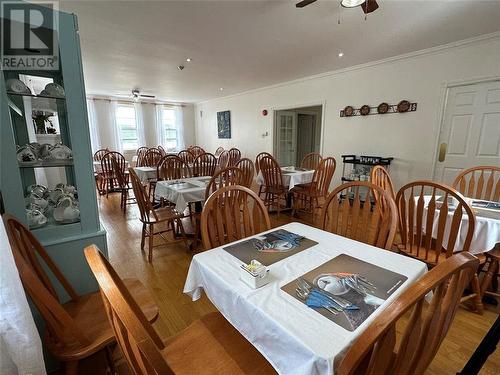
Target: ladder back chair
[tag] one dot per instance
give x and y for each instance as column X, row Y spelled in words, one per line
column 430, row 223
column 310, row 194
column 481, row 182
column 209, row 345
column 246, row 166
column 376, row 352
column 186, row 156
column 164, row 217
column 274, row 191
column 204, row 165
column 151, row 158
column 232, row 213
column 78, row 328
column 352, row 211
column 311, row 161
column 234, row 157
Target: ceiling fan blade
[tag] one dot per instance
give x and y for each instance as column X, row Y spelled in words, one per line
column 303, row 3
column 147, row 96
column 369, row 6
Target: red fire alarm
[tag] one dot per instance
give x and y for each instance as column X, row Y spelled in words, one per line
column 264, row 112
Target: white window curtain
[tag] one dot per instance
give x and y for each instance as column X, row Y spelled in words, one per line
column 20, row 344
column 139, row 121
column 117, row 146
column 95, row 140
column 160, row 130
column 179, row 124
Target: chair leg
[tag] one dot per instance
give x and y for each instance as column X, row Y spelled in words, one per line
column 488, row 277
column 477, row 291
column 71, row 367
column 143, row 236
column 151, row 242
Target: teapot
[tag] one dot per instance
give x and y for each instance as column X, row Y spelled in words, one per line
column 66, row 211
column 25, row 155
column 35, row 218
column 60, row 151
column 35, row 200
column 39, row 190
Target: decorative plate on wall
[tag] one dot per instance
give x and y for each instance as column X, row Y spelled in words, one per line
column 403, row 106
column 364, row 110
column 382, row 108
column 348, row 111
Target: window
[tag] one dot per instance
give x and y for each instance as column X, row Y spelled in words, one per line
column 170, row 135
column 125, row 119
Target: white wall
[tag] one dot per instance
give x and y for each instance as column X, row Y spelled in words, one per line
column 410, row 137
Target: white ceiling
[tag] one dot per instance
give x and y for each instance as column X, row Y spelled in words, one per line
column 242, row 45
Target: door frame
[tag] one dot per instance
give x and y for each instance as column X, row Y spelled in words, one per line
column 445, row 87
column 273, row 122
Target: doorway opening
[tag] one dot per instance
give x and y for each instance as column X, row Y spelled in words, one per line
column 297, row 132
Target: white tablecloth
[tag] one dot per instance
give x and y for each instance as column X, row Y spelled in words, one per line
column 98, row 166
column 181, row 197
column 486, row 231
column 291, row 177
column 294, row 339
column 145, row 173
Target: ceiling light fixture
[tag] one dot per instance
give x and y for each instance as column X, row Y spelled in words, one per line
column 341, row 54
column 188, row 59
column 221, row 88
column 351, row 3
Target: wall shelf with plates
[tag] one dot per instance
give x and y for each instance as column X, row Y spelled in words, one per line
column 46, row 158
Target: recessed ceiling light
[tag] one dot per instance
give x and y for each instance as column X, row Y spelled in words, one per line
column 351, row 3
column 221, row 88
column 341, row 54
column 189, row 59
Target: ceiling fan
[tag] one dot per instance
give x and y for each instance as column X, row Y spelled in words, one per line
column 135, row 94
column 368, row 6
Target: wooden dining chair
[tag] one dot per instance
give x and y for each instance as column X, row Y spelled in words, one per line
column 430, row 225
column 75, row 329
column 151, row 157
column 218, row 151
column 204, row 165
column 210, row 345
column 186, row 156
column 166, row 218
column 234, row 157
column 122, row 185
column 196, row 151
column 377, row 351
column 141, row 151
column 232, row 213
column 109, row 179
column 172, row 167
column 246, row 166
column 311, row 160
column 481, row 182
column 98, row 155
column 257, row 168
column 380, row 177
column 162, row 150
column 273, row 189
column 351, row 211
column 223, row 160
column 309, row 196
column 226, row 177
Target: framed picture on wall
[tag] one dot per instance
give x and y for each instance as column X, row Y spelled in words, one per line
column 224, row 124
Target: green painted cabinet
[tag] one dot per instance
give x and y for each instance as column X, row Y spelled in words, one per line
column 26, row 117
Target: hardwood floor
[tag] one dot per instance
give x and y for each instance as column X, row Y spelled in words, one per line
column 166, row 275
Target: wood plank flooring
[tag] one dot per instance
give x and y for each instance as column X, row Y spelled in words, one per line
column 166, row 275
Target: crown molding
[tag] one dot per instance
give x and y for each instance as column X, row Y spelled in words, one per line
column 424, row 52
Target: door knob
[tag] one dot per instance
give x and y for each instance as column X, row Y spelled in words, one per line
column 442, row 152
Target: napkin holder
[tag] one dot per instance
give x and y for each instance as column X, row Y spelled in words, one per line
column 255, row 275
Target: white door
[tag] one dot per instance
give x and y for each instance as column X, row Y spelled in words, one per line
column 470, row 134
column 286, row 137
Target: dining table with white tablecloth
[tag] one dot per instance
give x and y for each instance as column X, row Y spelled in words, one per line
column 98, row 166
column 182, row 191
column 291, row 176
column 291, row 336
column 145, row 173
column 486, row 231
